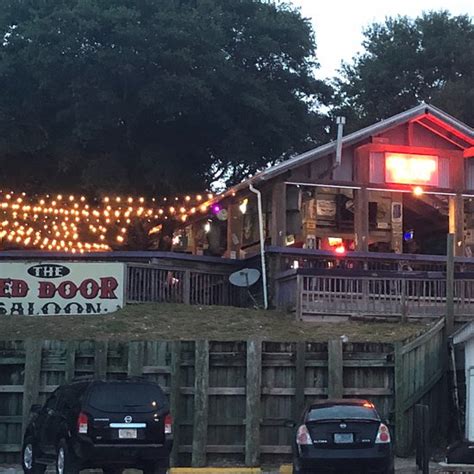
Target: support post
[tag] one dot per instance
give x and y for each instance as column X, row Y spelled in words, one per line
column 135, row 359
column 175, row 398
column 456, row 223
column 70, row 367
column 100, row 359
column 253, row 404
column 234, row 231
column 402, row 442
column 32, row 377
column 201, row 403
column 361, row 219
column 300, row 380
column 450, row 285
column 335, row 380
column 278, row 225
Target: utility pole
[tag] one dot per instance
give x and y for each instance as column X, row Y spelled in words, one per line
column 450, row 285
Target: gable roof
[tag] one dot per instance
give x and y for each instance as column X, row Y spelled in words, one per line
column 427, row 115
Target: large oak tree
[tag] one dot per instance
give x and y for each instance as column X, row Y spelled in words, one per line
column 155, row 96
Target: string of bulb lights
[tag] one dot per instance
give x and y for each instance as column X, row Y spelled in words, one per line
column 76, row 224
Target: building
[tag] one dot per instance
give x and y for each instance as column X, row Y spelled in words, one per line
column 400, row 186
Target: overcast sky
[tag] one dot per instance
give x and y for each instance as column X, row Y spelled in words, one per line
column 339, row 24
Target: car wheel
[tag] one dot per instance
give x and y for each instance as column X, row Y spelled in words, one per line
column 112, row 470
column 28, row 458
column 155, row 469
column 66, row 462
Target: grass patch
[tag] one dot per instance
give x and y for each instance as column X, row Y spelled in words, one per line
column 180, row 322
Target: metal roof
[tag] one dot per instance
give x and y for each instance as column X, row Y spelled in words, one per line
column 422, row 110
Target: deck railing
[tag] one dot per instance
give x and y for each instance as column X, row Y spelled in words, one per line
column 383, row 294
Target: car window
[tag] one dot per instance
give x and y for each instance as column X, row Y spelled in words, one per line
column 51, row 402
column 342, row 412
column 125, row 397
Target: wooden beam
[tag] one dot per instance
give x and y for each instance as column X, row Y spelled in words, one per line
column 278, row 224
column 201, row 403
column 361, row 219
column 335, row 368
column 253, row 402
column 135, row 358
column 175, row 398
column 33, row 350
column 100, row 359
column 456, row 223
column 469, row 152
column 234, row 230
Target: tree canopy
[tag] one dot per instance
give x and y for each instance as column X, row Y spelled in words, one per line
column 155, row 96
column 407, row 61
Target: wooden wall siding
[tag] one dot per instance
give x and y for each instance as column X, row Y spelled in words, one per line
column 230, row 400
column 390, row 296
column 148, row 283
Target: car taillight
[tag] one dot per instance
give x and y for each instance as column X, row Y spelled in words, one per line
column 302, row 436
column 383, row 435
column 168, row 424
column 82, row 422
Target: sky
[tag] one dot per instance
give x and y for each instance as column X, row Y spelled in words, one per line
column 339, row 24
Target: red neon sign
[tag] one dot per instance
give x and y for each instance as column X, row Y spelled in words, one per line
column 411, row 169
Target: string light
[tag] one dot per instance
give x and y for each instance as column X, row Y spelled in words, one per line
column 70, row 223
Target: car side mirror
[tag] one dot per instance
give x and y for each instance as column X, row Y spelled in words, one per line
column 35, row 408
column 290, row 424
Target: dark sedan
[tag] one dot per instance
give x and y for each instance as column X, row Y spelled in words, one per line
column 342, row 436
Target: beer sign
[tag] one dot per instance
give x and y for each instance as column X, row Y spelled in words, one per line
column 49, row 288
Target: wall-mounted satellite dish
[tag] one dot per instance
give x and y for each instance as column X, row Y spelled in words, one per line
column 245, row 278
column 223, row 215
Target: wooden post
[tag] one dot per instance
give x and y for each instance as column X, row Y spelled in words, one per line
column 456, row 223
column 278, row 224
column 201, row 403
column 335, row 380
column 450, row 285
column 175, row 396
column 135, row 359
column 234, row 231
column 300, row 380
column 403, row 300
column 361, row 219
column 299, row 297
column 187, row 287
column 253, row 410
column 401, row 428
column 70, row 366
column 100, row 359
column 32, row 377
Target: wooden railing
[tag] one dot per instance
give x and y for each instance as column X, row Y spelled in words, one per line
column 382, row 294
column 160, row 283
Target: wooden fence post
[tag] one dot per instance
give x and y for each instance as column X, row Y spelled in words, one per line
column 450, row 285
column 175, row 396
column 32, row 377
column 335, row 380
column 201, row 403
column 187, row 287
column 100, row 359
column 401, row 429
column 253, row 402
column 300, row 380
column 135, row 359
column 70, row 367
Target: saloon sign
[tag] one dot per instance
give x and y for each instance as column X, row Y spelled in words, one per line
column 48, row 288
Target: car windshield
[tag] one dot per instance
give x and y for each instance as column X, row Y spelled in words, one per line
column 132, row 398
column 342, row 412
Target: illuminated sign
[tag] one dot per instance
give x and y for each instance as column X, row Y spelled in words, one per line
column 411, row 169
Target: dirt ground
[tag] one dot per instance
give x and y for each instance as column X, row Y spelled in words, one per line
column 180, row 322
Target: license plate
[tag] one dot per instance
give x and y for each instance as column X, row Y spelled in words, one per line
column 128, row 434
column 343, row 438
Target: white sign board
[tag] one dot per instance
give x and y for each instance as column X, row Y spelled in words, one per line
column 48, row 288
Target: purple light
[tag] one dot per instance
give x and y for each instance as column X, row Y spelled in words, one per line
column 216, row 209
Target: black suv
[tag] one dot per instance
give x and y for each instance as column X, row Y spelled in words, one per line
column 111, row 425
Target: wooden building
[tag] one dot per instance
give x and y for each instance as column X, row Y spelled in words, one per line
column 400, row 186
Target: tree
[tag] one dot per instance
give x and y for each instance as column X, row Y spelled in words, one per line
column 155, row 96
column 430, row 58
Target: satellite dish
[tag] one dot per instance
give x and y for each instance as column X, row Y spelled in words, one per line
column 245, row 278
column 222, row 215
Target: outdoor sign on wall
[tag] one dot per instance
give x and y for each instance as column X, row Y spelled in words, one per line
column 411, row 169
column 47, row 288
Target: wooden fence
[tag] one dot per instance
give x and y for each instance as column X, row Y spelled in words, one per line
column 384, row 294
column 230, row 400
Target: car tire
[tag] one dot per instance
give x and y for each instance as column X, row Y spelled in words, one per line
column 155, row 469
column 112, row 470
column 28, row 458
column 66, row 462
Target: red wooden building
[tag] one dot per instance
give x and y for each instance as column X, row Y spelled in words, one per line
column 400, row 186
